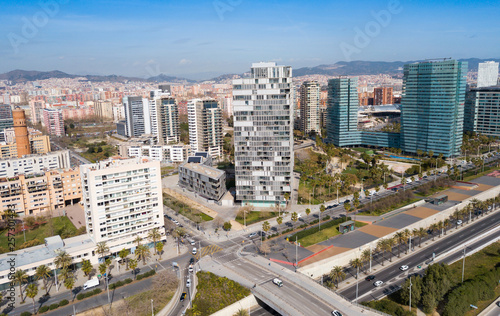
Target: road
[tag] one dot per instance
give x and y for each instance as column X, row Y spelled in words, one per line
column 492, row 310
column 393, row 277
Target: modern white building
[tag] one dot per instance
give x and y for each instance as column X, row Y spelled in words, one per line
column 137, row 116
column 309, row 107
column 487, row 74
column 263, row 134
column 164, row 154
column 34, row 163
column 205, row 126
column 166, row 114
column 122, row 200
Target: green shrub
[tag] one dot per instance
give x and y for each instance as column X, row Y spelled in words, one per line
column 80, row 296
column 388, row 307
column 25, row 314
column 43, row 309
column 96, row 291
column 315, row 229
column 63, row 302
column 128, row 280
column 139, row 277
column 53, row 306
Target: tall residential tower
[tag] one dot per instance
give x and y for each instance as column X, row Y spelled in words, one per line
column 205, row 126
column 309, row 107
column 487, row 74
column 263, row 134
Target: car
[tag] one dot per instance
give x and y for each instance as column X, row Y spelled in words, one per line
column 378, row 283
column 498, row 303
column 370, row 277
column 188, row 283
column 252, row 235
column 425, row 177
column 190, row 269
column 404, row 268
column 347, row 201
column 336, row 313
column 191, row 261
column 278, row 282
column 459, row 222
column 192, row 242
column 194, row 251
column 183, row 296
column 335, row 205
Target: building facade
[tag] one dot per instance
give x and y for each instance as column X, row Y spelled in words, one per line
column 136, row 116
column 205, row 126
column 34, row 163
column 432, row 107
column 35, row 193
column 263, row 134
column 103, row 110
column 122, row 200
column 53, row 122
column 482, row 111
column 342, row 116
column 198, row 176
column 6, row 120
column 164, row 154
column 167, row 118
column 382, row 96
column 487, row 74
column 310, row 108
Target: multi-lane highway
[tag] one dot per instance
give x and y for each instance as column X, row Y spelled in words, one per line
column 392, row 276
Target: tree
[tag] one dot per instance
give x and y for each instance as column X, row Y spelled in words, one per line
column 295, row 218
column 133, row 265
column 86, row 267
column 366, row 256
column 390, row 244
column 159, row 248
column 102, row 249
column 264, row 248
column 123, row 254
column 43, row 272
column 138, row 240
column 337, row 274
column 322, row 208
column 20, row 277
column 63, row 260
column 399, row 239
column 32, row 292
column 69, row 283
column 241, row 312
column 381, row 246
column 416, row 291
column 279, row 220
column 227, row 226
column 421, row 233
column 154, row 235
column 356, row 264
column 266, row 227
column 103, row 267
column 142, row 252
column 347, row 207
column 308, row 211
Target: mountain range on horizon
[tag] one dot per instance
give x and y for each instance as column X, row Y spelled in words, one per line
column 341, row 68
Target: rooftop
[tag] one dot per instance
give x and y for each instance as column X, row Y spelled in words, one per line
column 210, row 172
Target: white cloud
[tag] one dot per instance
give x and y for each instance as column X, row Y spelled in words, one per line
column 185, row 62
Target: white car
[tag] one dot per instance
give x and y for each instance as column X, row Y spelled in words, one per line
column 192, row 242
column 252, row 235
column 190, row 268
column 459, row 222
column 278, row 282
column 194, row 251
column 188, row 283
column 378, row 283
column 404, row 268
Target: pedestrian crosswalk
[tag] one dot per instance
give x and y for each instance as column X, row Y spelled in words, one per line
column 208, row 250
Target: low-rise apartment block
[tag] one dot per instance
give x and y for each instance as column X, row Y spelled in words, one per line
column 34, row 163
column 164, row 154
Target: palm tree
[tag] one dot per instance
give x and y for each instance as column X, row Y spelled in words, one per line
column 337, row 274
column 432, row 228
column 399, row 236
column 20, row 277
column 322, row 208
column 241, row 312
column 421, row 233
column 159, row 248
column 279, row 220
column 32, row 292
column 389, row 245
column 133, row 265
column 138, row 240
column 154, row 235
column 295, row 218
column 69, row 283
column 440, row 227
column 123, row 254
column 366, row 256
column 266, row 227
column 103, row 267
column 406, row 237
column 142, row 252
column 87, row 267
column 446, row 223
column 381, row 247
column 43, row 272
column 356, row 264
column 63, row 260
column 102, row 249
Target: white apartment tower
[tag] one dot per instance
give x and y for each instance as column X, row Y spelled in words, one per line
column 205, row 126
column 122, row 200
column 167, row 118
column 263, row 134
column 309, row 107
column 487, row 74
column 137, row 115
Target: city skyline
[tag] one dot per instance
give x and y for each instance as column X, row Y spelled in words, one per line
column 201, row 40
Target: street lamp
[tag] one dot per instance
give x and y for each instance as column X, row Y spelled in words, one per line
column 152, row 310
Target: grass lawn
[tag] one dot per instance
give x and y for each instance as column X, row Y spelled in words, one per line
column 470, row 175
column 323, row 235
column 165, row 170
column 255, row 216
column 362, row 150
column 381, row 212
column 478, row 263
column 184, row 209
column 60, row 226
column 214, row 293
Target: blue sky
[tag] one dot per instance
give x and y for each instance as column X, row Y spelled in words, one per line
column 200, row 39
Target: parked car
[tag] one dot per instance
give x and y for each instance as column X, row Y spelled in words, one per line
column 192, row 242
column 190, row 269
column 191, row 261
column 188, row 283
column 378, row 283
column 194, row 251
column 336, row 313
column 252, row 235
column 278, row 282
column 404, row 268
column 459, row 222
column 370, row 277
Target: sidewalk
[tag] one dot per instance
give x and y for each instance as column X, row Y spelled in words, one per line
column 117, row 273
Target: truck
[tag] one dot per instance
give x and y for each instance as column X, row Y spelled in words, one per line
column 91, row 283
